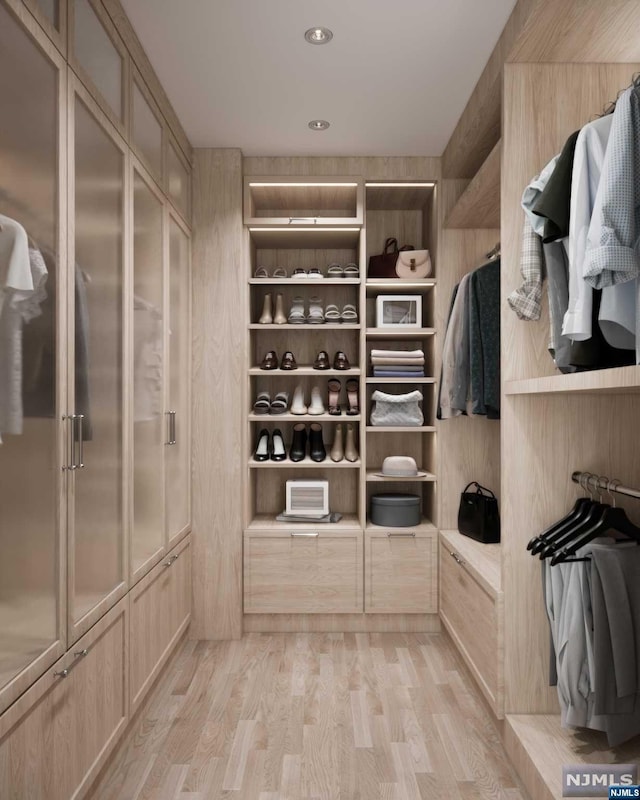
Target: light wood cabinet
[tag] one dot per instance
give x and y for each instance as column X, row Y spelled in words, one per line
column 56, row 737
column 306, row 572
column 471, row 612
column 401, row 571
column 160, row 613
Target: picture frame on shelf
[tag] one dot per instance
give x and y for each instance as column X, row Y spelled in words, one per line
column 399, row 311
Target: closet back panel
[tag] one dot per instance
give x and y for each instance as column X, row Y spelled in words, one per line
column 30, row 459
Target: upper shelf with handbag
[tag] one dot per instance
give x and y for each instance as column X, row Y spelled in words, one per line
column 404, row 263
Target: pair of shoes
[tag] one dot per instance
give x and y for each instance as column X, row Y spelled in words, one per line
column 270, row 361
column 335, row 387
column 313, row 273
column 267, row 317
column 298, row 449
column 278, row 272
column 349, row 271
column 270, row 446
column 340, row 361
column 348, row 313
column 265, row 405
column 349, row 450
column 299, row 407
column 315, row 315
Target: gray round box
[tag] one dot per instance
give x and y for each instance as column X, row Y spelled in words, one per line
column 395, row 510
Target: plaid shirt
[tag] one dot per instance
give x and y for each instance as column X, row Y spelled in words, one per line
column 526, row 301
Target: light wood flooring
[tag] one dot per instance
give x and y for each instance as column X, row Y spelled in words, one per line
column 366, row 716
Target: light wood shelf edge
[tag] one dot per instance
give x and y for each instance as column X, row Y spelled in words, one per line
column 619, row 380
column 425, row 526
column 267, row 524
column 479, row 205
column 482, row 560
column 306, row 463
column 374, row 477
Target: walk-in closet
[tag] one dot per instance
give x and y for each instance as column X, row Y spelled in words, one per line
column 319, row 400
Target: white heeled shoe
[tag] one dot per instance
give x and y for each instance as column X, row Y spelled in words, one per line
column 297, row 404
column 317, row 406
column 266, row 317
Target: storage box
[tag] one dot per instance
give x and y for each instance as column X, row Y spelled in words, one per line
column 308, row 498
column 395, row 510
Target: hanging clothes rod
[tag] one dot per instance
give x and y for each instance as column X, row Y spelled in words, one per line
column 591, row 481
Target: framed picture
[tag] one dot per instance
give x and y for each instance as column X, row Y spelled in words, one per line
column 399, row 310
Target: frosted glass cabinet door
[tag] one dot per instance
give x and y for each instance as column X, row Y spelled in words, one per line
column 147, row 132
column 97, row 568
column 30, row 455
column 178, row 493
column 148, row 345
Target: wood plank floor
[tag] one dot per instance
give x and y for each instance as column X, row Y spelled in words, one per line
column 322, row 716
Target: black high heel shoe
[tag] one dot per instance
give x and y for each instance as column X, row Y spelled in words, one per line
column 316, row 445
column 299, row 444
column 264, row 447
column 278, row 450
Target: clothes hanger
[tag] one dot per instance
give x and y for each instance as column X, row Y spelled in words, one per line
column 577, row 528
column 580, row 506
column 612, row 518
column 635, row 84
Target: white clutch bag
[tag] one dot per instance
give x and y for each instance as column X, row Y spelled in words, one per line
column 413, row 264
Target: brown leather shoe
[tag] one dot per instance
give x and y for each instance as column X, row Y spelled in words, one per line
column 340, row 361
column 270, row 361
column 288, row 361
column 322, row 360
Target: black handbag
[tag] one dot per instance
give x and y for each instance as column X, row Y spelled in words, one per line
column 384, row 265
column 478, row 515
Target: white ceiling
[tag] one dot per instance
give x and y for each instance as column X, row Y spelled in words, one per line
column 393, row 81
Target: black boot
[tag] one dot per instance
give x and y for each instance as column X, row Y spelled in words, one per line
column 299, row 444
column 316, row 445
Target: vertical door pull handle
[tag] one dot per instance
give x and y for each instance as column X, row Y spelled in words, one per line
column 79, row 420
column 173, row 427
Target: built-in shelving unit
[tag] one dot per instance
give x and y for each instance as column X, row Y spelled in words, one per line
column 479, row 205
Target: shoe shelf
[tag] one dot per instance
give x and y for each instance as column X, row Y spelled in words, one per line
column 306, row 463
column 374, row 477
column 304, row 371
column 409, row 381
column 391, row 285
column 307, row 326
column 394, row 333
column 276, row 418
column 400, row 429
column 304, row 282
column 268, row 524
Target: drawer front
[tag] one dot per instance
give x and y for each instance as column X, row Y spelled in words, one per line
column 160, row 611
column 471, row 617
column 401, row 573
column 306, row 574
column 56, row 738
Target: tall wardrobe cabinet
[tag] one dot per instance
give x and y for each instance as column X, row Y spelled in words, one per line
column 94, row 390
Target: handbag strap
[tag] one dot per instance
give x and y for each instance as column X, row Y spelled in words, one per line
column 480, row 489
column 391, row 242
column 406, row 247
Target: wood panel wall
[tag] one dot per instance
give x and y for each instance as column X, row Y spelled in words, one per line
column 219, row 330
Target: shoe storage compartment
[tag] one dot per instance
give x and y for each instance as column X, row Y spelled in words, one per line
column 401, row 570
column 303, row 571
column 303, row 201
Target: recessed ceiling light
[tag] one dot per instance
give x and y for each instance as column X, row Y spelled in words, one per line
column 318, row 35
column 318, row 124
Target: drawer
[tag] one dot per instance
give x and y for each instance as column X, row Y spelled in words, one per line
column 401, row 572
column 57, row 736
column 160, row 613
column 471, row 615
column 303, row 572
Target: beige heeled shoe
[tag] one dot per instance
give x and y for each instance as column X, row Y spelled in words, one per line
column 266, row 317
column 350, row 451
column 279, row 317
column 337, row 451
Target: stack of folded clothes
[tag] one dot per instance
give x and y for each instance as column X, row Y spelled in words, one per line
column 397, row 363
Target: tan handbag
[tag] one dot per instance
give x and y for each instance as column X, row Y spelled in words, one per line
column 413, row 264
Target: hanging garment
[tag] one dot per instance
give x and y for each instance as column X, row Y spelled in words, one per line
column 526, row 300
column 484, row 340
column 147, row 360
column 454, row 294
column 553, row 203
column 557, row 268
column 454, row 385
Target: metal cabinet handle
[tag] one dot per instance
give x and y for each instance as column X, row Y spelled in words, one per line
column 175, row 558
column 62, row 674
column 456, row 558
column 81, row 653
column 307, row 535
column 75, row 434
column 314, row 220
column 171, row 418
column 399, row 534
column 167, row 563
column 78, row 420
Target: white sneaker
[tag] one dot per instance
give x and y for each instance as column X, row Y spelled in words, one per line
column 297, row 404
column 317, row 406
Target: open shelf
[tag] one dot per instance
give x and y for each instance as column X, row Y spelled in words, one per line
column 394, row 333
column 479, row 205
column 306, row 326
column 305, row 371
column 374, row 477
column 312, row 238
column 276, row 418
column 307, row 463
column 398, row 195
column 304, row 281
column 268, row 523
column 425, row 526
column 391, row 285
column 401, row 429
column 482, row 560
column 620, row 380
column 401, row 380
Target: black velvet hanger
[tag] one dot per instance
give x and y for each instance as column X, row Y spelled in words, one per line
column 612, row 518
